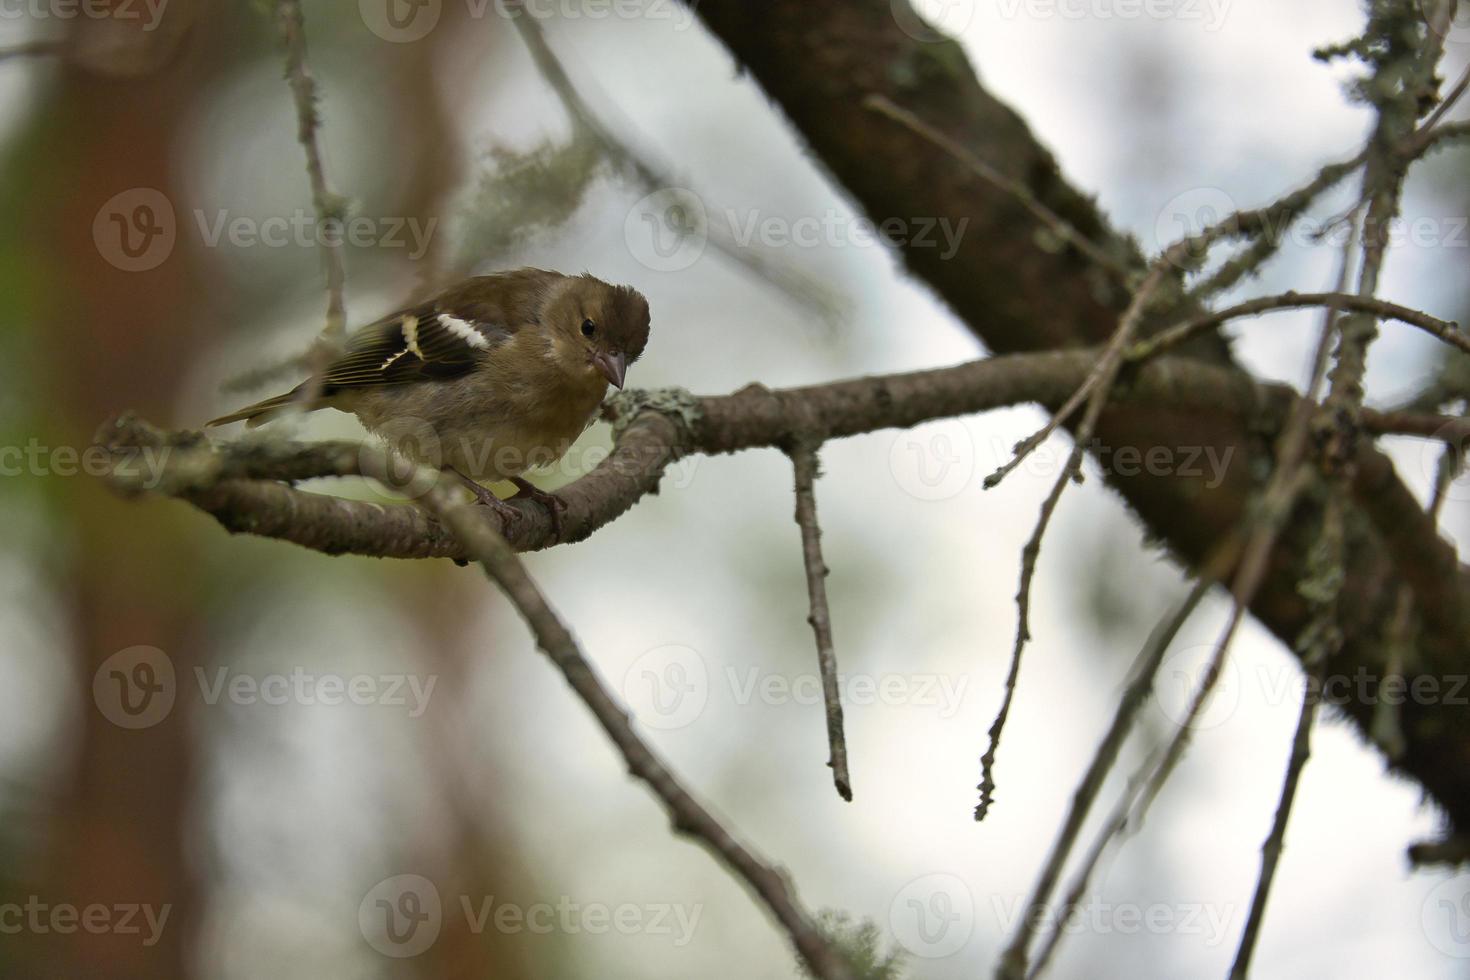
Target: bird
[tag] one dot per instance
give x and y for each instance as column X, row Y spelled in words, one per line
column 493, row 376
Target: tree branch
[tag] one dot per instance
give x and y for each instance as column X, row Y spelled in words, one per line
column 823, row 61
column 804, row 464
column 239, row 483
column 686, row 813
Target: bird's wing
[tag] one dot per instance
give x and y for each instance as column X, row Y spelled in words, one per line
column 423, row 343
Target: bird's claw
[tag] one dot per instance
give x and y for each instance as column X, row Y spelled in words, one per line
column 555, row 506
column 509, row 516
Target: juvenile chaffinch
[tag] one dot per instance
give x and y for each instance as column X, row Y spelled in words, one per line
column 495, row 375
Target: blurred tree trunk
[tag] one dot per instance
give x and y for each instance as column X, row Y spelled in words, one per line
column 109, row 338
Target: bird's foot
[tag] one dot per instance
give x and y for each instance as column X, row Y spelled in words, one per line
column 555, row 506
column 509, row 516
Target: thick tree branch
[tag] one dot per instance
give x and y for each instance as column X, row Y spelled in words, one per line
column 826, row 61
column 240, row 485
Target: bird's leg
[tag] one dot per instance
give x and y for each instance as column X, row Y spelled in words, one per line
column 554, row 505
column 508, row 514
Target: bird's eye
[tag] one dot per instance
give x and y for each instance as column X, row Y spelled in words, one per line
column 588, row 328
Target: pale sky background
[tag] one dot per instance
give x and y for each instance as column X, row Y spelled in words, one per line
column 300, row 800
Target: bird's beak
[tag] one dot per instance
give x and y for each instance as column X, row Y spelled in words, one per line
column 614, row 366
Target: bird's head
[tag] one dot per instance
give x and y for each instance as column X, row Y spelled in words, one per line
column 598, row 328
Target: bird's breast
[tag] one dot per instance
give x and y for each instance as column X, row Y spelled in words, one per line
column 520, row 426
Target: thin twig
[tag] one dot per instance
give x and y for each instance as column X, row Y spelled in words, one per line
column 1453, row 430
column 1444, row 133
column 1029, row 556
column 1265, row 226
column 1101, row 380
column 1323, row 644
column 290, row 22
column 1185, row 253
column 804, row 462
column 1058, row 418
column 1058, row 226
column 1287, row 481
column 1134, row 695
column 687, row 815
column 1170, row 338
column 1446, row 104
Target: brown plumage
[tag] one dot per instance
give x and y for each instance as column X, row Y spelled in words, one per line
column 495, row 375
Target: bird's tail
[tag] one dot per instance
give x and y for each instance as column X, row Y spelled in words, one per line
column 264, row 411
